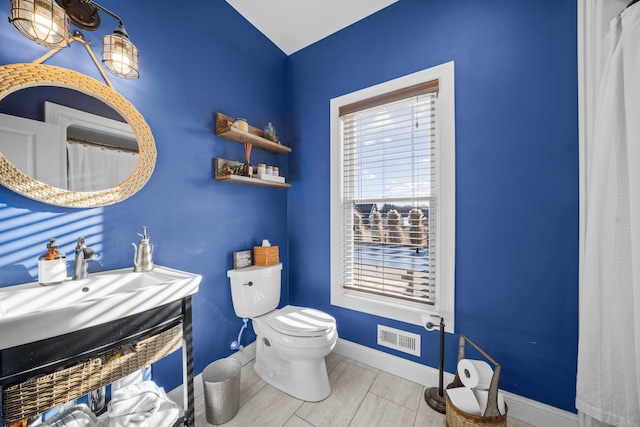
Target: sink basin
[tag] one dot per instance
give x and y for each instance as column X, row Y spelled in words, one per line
column 31, row 312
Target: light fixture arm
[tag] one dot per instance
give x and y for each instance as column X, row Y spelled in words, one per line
column 77, row 37
column 107, row 11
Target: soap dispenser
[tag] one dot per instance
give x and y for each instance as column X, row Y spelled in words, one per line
column 142, row 260
column 52, row 265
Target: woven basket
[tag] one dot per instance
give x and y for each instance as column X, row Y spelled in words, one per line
column 263, row 255
column 458, row 418
column 26, row 399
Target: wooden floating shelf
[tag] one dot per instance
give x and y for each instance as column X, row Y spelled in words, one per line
column 255, row 136
column 239, row 179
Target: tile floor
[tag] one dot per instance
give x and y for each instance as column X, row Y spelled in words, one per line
column 361, row 396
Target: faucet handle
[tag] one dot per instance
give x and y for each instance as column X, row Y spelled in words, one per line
column 88, row 253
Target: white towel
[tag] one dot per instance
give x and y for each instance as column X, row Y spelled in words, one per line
column 134, row 378
column 76, row 416
column 142, row 405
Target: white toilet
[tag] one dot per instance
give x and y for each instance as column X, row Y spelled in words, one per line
column 292, row 341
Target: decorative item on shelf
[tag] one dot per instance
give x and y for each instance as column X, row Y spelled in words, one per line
column 247, row 169
column 227, row 128
column 271, row 178
column 241, row 124
column 233, row 171
column 45, row 22
column 241, row 259
column 225, row 170
column 262, row 169
column 275, row 171
column 269, row 170
column 270, row 133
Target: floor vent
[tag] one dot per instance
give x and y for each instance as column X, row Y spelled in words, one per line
column 399, row 340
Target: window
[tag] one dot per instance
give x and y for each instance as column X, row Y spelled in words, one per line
column 393, row 198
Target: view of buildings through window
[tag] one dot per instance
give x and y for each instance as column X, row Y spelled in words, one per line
column 389, row 169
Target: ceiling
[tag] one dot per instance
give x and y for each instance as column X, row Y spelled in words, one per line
column 295, row 24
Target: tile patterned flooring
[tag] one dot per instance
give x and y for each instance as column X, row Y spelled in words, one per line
column 361, row 396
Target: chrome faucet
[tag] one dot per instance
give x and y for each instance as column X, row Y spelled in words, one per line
column 81, row 263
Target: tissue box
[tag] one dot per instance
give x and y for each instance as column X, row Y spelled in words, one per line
column 265, row 255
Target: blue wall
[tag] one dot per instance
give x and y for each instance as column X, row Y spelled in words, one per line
column 190, row 68
column 517, row 169
column 517, row 175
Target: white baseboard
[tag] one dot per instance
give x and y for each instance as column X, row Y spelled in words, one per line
column 522, row 408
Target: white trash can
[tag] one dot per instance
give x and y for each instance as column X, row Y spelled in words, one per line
column 221, row 381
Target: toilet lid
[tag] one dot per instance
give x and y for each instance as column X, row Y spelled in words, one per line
column 300, row 321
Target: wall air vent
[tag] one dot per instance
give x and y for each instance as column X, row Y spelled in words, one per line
column 399, row 340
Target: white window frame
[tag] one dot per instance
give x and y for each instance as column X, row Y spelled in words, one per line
column 417, row 314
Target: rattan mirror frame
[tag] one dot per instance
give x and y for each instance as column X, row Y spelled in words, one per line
column 14, row 77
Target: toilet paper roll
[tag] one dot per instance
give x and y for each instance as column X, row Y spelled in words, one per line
column 483, row 396
column 475, row 373
column 464, row 399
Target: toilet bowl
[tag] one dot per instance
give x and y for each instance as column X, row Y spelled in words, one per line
column 291, row 342
column 292, row 360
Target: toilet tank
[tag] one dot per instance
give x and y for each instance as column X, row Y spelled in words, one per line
column 255, row 290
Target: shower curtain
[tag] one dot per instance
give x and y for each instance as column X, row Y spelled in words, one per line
column 93, row 168
column 608, row 383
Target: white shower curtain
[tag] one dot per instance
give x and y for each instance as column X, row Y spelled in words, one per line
column 608, row 383
column 93, row 168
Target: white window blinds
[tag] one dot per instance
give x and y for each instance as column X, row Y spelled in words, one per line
column 389, row 195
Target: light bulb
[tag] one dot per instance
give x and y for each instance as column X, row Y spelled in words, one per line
column 121, row 62
column 43, row 28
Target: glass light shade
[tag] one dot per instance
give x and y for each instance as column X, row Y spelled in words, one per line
column 120, row 56
column 42, row 21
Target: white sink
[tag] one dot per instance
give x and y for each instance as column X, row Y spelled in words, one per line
column 31, row 312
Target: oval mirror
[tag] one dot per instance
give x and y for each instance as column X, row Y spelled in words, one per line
column 46, row 160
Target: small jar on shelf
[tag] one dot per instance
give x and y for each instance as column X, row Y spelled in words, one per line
column 270, row 132
column 241, row 124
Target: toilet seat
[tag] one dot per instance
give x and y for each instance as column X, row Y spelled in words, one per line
column 300, row 321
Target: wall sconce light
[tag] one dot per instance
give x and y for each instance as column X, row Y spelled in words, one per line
column 119, row 55
column 46, row 22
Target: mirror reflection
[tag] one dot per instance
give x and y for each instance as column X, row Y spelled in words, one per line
column 67, row 139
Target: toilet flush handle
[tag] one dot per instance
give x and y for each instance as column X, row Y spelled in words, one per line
column 248, row 284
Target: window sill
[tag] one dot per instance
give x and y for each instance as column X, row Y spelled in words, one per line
column 415, row 314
